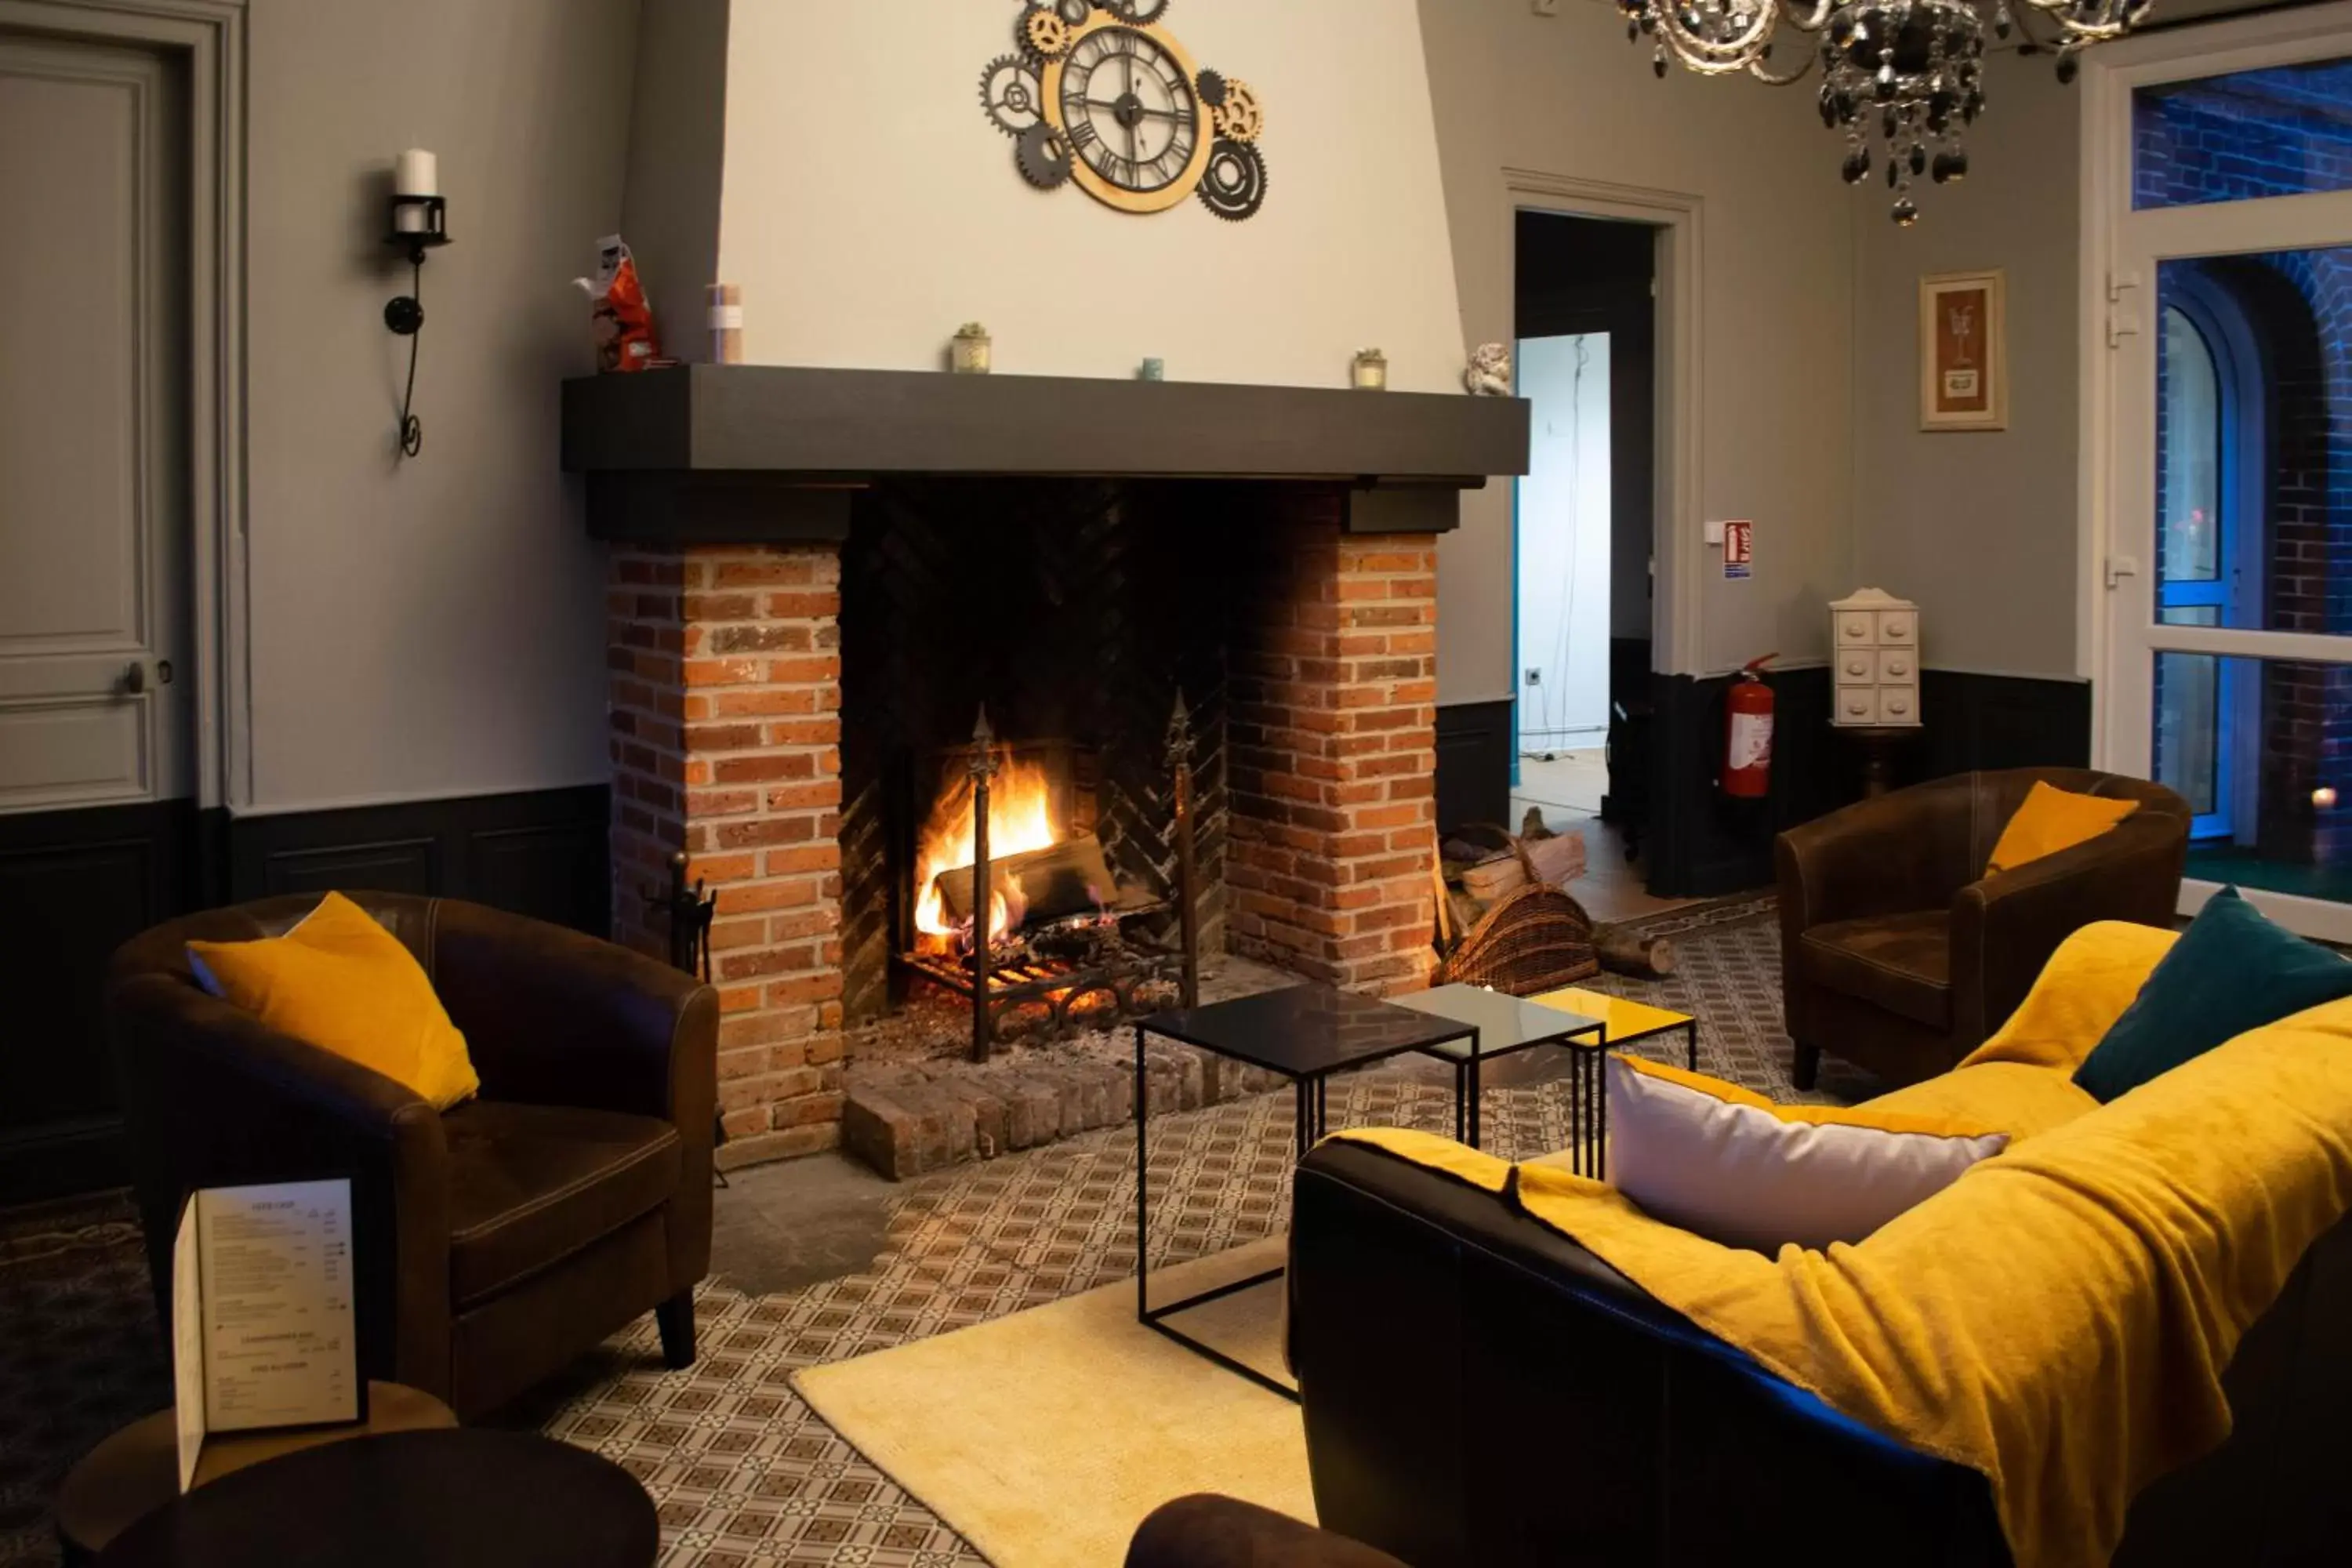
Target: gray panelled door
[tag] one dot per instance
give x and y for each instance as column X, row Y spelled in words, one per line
column 95, row 685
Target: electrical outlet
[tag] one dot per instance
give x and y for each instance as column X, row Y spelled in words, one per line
column 1535, row 676
column 1547, row 7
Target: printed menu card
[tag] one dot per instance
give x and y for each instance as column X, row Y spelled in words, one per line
column 262, row 1327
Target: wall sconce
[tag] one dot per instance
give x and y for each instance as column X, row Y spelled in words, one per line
column 417, row 222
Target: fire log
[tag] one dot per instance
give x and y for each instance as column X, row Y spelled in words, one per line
column 1071, row 877
column 1556, row 858
column 1623, row 952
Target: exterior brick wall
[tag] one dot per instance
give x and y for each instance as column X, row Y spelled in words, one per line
column 1333, row 755
column 726, row 715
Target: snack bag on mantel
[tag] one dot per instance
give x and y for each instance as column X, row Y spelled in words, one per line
column 624, row 321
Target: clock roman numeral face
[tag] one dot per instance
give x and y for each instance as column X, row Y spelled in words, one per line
column 1129, row 110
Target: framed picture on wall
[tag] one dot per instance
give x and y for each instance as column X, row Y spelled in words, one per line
column 1964, row 351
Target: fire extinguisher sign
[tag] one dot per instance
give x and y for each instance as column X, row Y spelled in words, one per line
column 1739, row 548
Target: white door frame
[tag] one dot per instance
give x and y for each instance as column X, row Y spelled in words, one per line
column 209, row 36
column 1676, row 643
column 2121, row 248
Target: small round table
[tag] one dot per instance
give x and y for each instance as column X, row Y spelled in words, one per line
column 137, row 1470
column 459, row 1499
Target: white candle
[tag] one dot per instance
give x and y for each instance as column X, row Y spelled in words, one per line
column 415, row 173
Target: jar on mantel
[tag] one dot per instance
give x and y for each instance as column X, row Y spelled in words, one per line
column 1874, row 655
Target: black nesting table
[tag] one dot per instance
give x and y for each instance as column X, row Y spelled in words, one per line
column 1306, row 1033
column 1500, row 1025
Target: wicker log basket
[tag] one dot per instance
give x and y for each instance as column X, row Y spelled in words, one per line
column 1536, row 939
column 1533, row 939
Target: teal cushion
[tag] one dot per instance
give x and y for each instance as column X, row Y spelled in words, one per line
column 2232, row 971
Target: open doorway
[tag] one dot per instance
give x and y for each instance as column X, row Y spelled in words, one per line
column 1583, row 552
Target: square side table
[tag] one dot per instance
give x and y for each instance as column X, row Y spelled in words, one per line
column 1501, row 1025
column 1306, row 1033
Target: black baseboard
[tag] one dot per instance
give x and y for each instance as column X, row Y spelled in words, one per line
column 1474, row 762
column 75, row 884
column 1702, row 844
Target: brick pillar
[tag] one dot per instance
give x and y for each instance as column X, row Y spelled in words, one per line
column 726, row 715
column 1334, row 754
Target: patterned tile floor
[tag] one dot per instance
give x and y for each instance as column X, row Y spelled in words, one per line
column 744, row 1473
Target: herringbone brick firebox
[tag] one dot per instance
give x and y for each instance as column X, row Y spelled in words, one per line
column 1307, row 653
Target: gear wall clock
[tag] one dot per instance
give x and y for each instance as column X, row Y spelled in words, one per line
column 1099, row 95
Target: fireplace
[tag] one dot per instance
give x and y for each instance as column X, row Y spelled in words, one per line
column 1076, row 618
column 1017, row 908
column 814, row 598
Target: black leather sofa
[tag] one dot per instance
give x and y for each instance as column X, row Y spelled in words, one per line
column 1480, row 1391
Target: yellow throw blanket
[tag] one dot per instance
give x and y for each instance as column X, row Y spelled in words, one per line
column 2059, row 1317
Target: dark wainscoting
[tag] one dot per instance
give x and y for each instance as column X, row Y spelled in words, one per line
column 544, row 854
column 1999, row 721
column 1703, row 845
column 75, row 885
column 1474, row 762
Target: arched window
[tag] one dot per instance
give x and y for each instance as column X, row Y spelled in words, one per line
column 2210, row 553
column 2190, row 540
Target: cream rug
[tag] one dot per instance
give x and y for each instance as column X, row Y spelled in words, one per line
column 1045, row 1438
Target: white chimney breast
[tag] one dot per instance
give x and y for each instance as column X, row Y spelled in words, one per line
column 867, row 206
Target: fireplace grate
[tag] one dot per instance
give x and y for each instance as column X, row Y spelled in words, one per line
column 1131, row 972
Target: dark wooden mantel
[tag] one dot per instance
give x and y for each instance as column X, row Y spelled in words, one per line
column 718, row 454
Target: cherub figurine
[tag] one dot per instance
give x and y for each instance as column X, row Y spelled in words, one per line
column 1489, row 375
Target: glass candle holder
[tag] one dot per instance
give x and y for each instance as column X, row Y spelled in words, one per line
column 974, row 350
column 1372, row 373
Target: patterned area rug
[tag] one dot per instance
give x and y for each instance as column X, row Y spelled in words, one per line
column 744, row 1473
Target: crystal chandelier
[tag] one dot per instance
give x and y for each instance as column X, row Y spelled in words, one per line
column 1902, row 79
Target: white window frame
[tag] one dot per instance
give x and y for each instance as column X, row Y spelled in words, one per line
column 2118, row 306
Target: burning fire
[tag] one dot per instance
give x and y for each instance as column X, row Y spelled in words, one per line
column 1020, row 818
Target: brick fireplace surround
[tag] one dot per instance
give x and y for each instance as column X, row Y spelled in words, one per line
column 726, row 712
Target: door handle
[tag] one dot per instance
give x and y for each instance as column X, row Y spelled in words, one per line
column 136, row 679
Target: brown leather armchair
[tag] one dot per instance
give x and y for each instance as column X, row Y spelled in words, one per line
column 493, row 1242
column 1898, row 954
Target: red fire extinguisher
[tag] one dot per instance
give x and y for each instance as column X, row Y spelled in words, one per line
column 1748, row 734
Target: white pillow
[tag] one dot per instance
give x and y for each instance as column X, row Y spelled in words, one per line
column 1726, row 1164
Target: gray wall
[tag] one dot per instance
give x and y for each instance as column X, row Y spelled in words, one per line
column 678, row 160
column 1978, row 527
column 1568, row 96
column 432, row 626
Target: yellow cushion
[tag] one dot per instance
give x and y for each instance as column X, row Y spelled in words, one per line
column 340, row 982
column 1729, row 1164
column 2053, row 819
